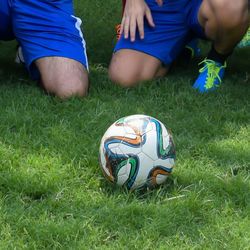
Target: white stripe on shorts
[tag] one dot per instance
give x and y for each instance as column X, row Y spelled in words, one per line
column 78, row 27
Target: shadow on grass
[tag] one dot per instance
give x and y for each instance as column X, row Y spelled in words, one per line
column 11, row 73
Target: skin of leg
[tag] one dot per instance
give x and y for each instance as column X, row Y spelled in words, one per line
column 63, row 77
column 128, row 67
column 225, row 22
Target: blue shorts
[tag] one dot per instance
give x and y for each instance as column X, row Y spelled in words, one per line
column 176, row 24
column 43, row 28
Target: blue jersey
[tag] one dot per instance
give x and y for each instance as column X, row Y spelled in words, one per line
column 43, row 28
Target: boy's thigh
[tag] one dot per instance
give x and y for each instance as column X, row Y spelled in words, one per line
column 48, row 29
column 60, row 69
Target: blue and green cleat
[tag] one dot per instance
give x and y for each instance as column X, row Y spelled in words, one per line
column 190, row 51
column 193, row 46
column 211, row 75
column 245, row 40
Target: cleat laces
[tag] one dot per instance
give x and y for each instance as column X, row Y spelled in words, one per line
column 212, row 73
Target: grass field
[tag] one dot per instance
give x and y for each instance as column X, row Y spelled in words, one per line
column 53, row 194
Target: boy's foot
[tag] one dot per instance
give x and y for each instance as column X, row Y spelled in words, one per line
column 193, row 48
column 190, row 51
column 19, row 55
column 210, row 76
column 245, row 40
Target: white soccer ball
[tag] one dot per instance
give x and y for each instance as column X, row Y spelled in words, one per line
column 137, row 152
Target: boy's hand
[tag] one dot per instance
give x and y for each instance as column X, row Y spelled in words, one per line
column 133, row 17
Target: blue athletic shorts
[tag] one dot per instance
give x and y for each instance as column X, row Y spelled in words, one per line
column 43, row 28
column 176, row 24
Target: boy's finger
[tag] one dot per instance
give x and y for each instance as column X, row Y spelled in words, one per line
column 149, row 18
column 140, row 25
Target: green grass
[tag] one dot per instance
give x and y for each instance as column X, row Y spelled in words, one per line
column 53, row 194
column 99, row 19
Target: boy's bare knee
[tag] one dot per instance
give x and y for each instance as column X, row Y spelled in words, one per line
column 63, row 77
column 65, row 92
column 65, row 89
column 120, row 78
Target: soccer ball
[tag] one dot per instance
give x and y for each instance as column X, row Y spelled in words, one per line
column 137, row 152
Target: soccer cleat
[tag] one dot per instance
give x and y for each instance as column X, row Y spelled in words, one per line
column 245, row 40
column 190, row 51
column 19, row 55
column 210, row 76
column 118, row 28
column 193, row 47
